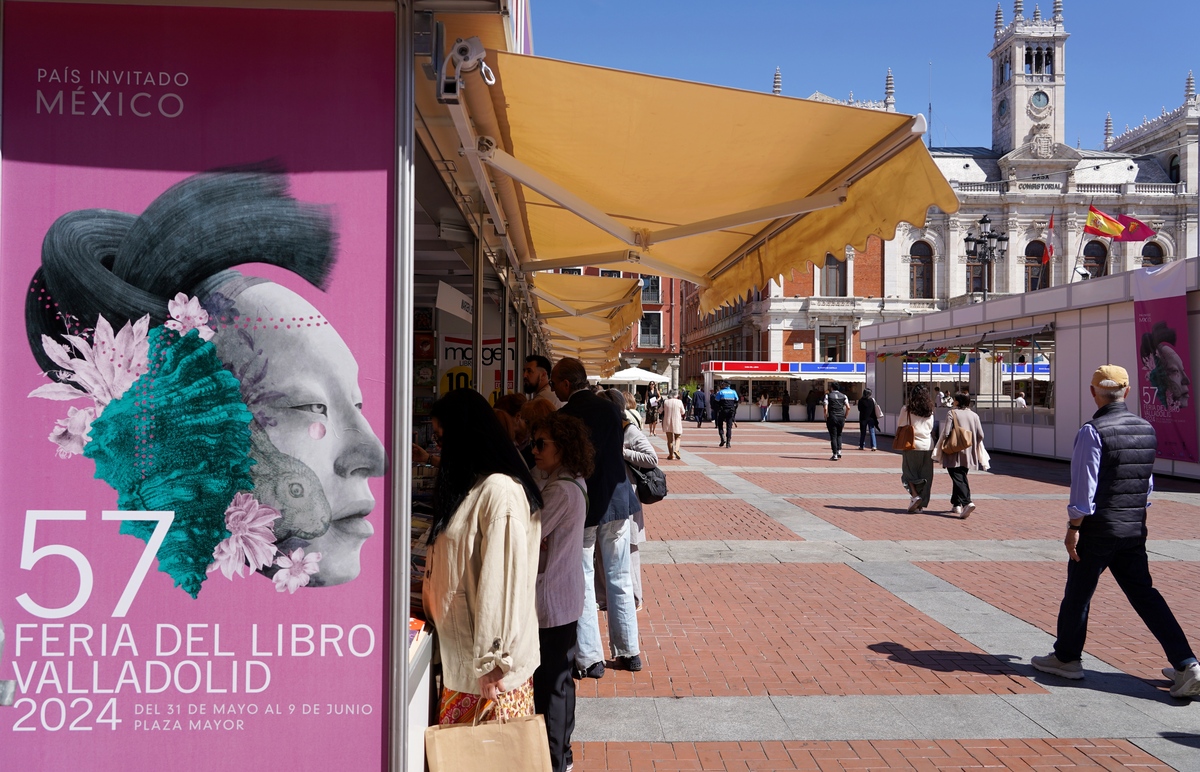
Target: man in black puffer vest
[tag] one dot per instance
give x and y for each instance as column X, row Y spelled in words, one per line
column 1111, row 480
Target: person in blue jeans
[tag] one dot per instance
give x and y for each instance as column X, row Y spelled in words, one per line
column 610, row 504
column 1111, row 482
column 868, row 420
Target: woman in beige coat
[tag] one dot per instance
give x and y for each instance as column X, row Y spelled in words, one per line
column 672, row 421
column 958, row 463
column 480, row 583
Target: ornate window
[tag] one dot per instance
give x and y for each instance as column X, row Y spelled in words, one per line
column 1095, row 259
column 833, row 344
column 1152, row 254
column 1037, row 275
column 833, row 278
column 979, row 275
column 920, row 270
column 1173, row 169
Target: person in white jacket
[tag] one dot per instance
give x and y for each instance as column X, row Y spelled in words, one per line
column 672, row 421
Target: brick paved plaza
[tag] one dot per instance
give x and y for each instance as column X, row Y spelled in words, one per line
column 796, row 617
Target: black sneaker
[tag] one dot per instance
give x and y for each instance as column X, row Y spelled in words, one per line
column 632, row 664
column 597, row 670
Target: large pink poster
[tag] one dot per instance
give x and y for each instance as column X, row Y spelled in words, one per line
column 195, row 245
column 1164, row 361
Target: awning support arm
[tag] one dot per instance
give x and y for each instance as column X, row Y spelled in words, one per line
column 612, row 258
column 487, row 151
column 751, row 216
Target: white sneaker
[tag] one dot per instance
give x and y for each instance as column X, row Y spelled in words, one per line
column 967, row 509
column 914, row 504
column 958, row 509
column 1053, row 665
column 1184, row 683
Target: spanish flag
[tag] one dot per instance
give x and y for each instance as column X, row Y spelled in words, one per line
column 1135, row 230
column 1101, row 224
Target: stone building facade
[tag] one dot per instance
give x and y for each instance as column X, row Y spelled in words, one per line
column 1149, row 172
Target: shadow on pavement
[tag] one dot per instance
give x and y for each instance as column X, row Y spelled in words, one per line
column 945, row 661
column 1179, row 738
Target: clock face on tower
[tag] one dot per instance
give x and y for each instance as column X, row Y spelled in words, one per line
column 1002, row 108
column 1039, row 99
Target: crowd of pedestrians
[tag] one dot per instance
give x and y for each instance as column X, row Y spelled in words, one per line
column 536, row 528
column 537, row 523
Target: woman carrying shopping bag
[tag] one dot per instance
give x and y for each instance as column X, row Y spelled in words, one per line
column 916, row 468
column 960, row 447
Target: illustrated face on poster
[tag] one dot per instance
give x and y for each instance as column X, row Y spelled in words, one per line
column 297, row 503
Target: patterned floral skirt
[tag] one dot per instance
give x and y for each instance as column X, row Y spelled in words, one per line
column 462, row 708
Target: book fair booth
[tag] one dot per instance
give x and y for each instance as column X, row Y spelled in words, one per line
column 238, row 277
column 1026, row 360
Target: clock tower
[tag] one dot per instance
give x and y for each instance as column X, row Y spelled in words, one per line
column 1028, row 81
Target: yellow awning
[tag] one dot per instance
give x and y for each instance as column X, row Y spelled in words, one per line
column 618, row 302
column 587, row 317
column 722, row 187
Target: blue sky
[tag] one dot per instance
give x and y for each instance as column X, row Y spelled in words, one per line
column 1130, row 59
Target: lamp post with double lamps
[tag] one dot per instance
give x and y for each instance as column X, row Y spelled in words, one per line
column 989, row 246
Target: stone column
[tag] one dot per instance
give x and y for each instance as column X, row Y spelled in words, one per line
column 673, row 362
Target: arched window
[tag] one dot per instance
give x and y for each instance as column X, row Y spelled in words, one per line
column 1152, row 254
column 1037, row 274
column 1095, row 259
column 920, row 270
column 1173, row 169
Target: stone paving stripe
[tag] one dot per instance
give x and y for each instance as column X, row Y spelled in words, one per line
column 1060, row 714
column 853, row 551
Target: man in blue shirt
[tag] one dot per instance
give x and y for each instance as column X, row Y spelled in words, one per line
column 725, row 405
column 1111, row 481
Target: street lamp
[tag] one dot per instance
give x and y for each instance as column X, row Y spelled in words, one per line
column 989, row 246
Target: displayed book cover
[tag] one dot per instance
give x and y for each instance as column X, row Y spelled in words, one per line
column 423, row 320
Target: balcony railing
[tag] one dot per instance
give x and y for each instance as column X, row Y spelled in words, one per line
column 1099, row 188
column 983, row 187
column 651, row 295
column 649, row 341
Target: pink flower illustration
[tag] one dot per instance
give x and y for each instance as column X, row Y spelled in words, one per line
column 186, row 315
column 251, row 540
column 104, row 369
column 71, row 433
column 295, row 570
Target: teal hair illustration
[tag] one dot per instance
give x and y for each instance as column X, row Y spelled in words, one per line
column 178, row 439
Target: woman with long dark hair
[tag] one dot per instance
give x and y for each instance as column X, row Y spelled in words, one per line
column 916, row 468
column 480, row 584
column 563, row 459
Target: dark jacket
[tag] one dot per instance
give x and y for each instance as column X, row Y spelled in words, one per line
column 725, row 402
column 835, row 406
column 866, row 412
column 603, row 421
column 1128, row 445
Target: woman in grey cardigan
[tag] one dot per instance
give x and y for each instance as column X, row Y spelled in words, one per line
column 957, row 464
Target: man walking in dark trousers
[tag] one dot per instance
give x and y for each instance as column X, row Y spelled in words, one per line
column 836, row 404
column 1111, row 481
column 725, row 405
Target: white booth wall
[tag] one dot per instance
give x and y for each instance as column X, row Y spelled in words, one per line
column 1094, row 325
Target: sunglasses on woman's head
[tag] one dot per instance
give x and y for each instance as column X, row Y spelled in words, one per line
column 540, row 443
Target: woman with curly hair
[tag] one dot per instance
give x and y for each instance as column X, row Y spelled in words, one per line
column 563, row 458
column 480, row 582
column 916, row 468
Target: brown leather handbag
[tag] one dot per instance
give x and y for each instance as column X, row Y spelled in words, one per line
column 957, row 439
column 906, row 436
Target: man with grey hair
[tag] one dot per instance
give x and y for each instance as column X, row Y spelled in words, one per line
column 1111, row 481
